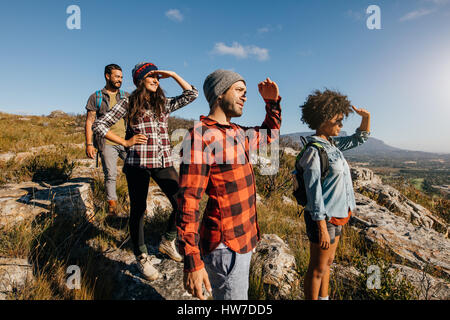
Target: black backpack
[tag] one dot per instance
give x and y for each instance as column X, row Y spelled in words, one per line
column 299, row 191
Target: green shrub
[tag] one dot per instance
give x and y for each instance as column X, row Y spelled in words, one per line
column 49, row 167
column 392, row 286
column 279, row 183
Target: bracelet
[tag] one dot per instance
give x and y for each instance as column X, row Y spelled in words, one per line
column 89, row 144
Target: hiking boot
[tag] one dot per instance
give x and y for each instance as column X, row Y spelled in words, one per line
column 168, row 247
column 112, row 207
column 146, row 268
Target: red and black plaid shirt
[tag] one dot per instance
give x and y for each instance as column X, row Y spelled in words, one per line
column 215, row 160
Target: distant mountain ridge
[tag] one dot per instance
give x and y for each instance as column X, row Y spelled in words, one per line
column 376, row 148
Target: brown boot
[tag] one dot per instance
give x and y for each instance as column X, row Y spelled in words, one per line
column 112, row 206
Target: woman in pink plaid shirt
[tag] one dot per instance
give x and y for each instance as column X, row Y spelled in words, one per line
column 146, row 112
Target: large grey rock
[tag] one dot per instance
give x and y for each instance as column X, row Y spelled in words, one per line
column 274, row 263
column 156, row 199
column 20, row 202
column 130, row 285
column 363, row 176
column 23, row 201
column 418, row 245
column 346, row 275
column 290, row 151
column 365, row 181
column 14, row 274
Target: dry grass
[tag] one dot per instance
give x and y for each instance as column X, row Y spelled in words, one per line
column 44, row 242
column 56, row 164
column 20, row 135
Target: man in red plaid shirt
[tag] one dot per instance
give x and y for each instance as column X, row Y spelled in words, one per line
column 216, row 161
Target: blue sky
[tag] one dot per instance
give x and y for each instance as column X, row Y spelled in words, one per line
column 400, row 73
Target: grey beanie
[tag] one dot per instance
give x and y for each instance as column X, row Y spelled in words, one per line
column 218, row 82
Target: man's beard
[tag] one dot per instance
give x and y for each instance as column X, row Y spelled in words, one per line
column 227, row 108
column 113, row 85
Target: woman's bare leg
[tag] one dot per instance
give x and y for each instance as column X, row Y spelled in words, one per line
column 323, row 292
column 318, row 265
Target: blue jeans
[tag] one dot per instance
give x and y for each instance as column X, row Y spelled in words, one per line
column 228, row 273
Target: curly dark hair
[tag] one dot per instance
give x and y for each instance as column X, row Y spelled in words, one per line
column 323, row 106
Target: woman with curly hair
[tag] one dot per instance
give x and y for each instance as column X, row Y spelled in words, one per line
column 330, row 199
column 146, row 112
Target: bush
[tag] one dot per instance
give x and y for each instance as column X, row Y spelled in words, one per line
column 279, row 183
column 54, row 166
column 392, row 287
column 50, row 167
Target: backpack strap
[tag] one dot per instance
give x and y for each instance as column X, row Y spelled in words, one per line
column 99, row 98
column 323, row 156
column 303, row 140
column 122, row 94
column 324, row 163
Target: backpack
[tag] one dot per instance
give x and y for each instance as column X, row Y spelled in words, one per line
column 99, row 97
column 299, row 190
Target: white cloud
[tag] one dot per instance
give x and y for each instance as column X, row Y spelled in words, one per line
column 240, row 51
column 416, row 14
column 174, row 15
column 269, row 28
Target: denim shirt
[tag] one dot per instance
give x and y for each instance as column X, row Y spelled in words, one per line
column 335, row 196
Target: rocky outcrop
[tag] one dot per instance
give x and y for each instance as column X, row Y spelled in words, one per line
column 156, row 199
column 26, row 200
column 428, row 287
column 272, row 260
column 363, row 176
column 275, row 265
column 22, row 201
column 366, row 182
column 130, row 285
column 35, row 150
column 290, row 151
column 57, row 114
column 14, row 274
column 409, row 235
column 417, row 245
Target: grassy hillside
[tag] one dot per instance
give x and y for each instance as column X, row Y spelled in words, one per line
column 48, row 241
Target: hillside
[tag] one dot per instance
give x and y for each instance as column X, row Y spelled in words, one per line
column 53, row 215
column 379, row 149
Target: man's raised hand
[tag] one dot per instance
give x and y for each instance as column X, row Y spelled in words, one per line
column 268, row 90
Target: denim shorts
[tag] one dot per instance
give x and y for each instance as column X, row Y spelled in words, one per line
column 312, row 229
